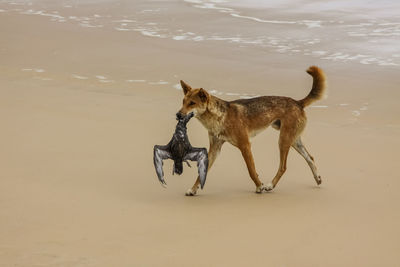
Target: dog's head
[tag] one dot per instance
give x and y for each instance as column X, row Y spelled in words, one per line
column 195, row 100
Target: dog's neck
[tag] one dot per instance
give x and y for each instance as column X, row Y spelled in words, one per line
column 214, row 115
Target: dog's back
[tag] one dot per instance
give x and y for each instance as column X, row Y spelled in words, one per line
column 260, row 112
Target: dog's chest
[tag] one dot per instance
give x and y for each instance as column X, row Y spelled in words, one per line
column 215, row 127
column 218, row 129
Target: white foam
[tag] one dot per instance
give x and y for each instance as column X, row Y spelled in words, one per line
column 246, row 97
column 359, row 25
column 308, row 23
column 159, row 83
column 319, row 106
column 262, row 20
column 313, row 41
column 135, row 81
column 106, row 81
column 193, row 1
column 177, row 86
column 79, row 77
column 219, row 1
column 344, row 104
column 356, row 34
column 100, row 77
column 215, row 92
column 232, row 94
column 16, row 4
column 376, row 31
column 319, row 53
column 124, row 21
column 150, row 33
column 122, row 29
column 179, row 38
column 368, row 61
column 26, row 69
column 39, row 70
column 387, row 63
column 339, row 56
column 54, row 17
column 198, row 38
column 356, row 113
column 150, row 10
column 86, row 25
column 209, row 5
column 234, row 40
column 312, row 23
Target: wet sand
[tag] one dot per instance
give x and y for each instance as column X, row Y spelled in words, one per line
column 83, row 106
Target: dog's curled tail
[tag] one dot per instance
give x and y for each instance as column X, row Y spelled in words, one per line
column 318, row 87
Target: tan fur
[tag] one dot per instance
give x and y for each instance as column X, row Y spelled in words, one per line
column 236, row 121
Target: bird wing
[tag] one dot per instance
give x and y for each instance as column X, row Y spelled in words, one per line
column 160, row 153
column 201, row 156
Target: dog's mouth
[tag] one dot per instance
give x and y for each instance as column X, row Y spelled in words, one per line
column 181, row 116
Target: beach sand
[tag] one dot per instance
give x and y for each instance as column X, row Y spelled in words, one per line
column 87, row 90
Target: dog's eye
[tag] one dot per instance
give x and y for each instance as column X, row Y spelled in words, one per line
column 192, row 103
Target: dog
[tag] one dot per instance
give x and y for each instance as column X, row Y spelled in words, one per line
column 180, row 150
column 239, row 120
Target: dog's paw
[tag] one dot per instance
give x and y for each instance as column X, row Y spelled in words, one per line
column 260, row 189
column 269, row 187
column 190, row 193
column 318, row 179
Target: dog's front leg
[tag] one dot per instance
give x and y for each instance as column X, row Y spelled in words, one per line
column 245, row 148
column 215, row 148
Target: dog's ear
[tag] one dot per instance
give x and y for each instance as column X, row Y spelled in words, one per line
column 203, row 95
column 186, row 88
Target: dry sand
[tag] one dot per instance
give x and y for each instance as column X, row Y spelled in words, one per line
column 82, row 107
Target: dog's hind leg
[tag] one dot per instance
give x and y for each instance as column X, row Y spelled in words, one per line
column 298, row 145
column 286, row 139
column 215, row 148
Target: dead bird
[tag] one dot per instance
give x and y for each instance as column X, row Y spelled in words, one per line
column 180, row 150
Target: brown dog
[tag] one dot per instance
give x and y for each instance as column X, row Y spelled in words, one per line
column 236, row 121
